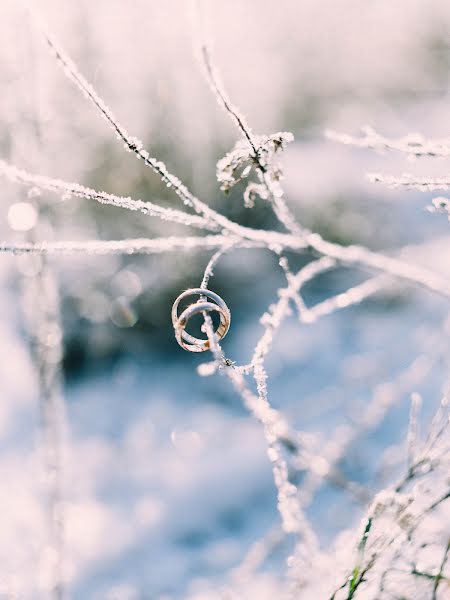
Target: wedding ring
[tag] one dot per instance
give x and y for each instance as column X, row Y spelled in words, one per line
column 187, row 341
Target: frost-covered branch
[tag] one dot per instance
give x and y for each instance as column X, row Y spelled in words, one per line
column 275, row 429
column 358, row 255
column 389, row 539
column 36, row 183
column 301, row 240
column 129, row 246
column 409, row 181
column 209, row 269
column 262, row 154
column 131, row 143
column 273, row 318
column 212, row 77
column 413, row 144
column 324, row 466
column 352, row 296
column 351, row 255
column 260, row 406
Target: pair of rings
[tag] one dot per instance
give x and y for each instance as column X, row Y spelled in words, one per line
column 208, row 302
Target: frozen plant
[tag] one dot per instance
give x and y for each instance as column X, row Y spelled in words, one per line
column 414, row 146
column 402, row 546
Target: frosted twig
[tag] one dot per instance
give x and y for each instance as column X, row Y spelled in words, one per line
column 275, row 429
column 359, row 255
column 131, row 143
column 212, row 263
column 216, row 85
column 296, row 295
column 356, row 255
column 128, row 246
column 267, row 179
column 272, row 321
column 352, row 296
column 274, row 317
column 68, row 190
column 307, row 240
column 349, row 255
column 413, row 144
column 403, row 529
column 259, row 152
column 409, row 181
column 293, row 518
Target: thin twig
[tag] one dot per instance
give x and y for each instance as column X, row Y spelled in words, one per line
column 128, row 246
column 412, row 144
column 275, row 193
column 67, row 190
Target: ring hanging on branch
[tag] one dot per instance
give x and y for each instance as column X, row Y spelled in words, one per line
column 187, row 341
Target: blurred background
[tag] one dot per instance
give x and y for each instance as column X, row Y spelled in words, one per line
column 167, row 484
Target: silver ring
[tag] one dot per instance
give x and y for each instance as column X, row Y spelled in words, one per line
column 187, row 341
